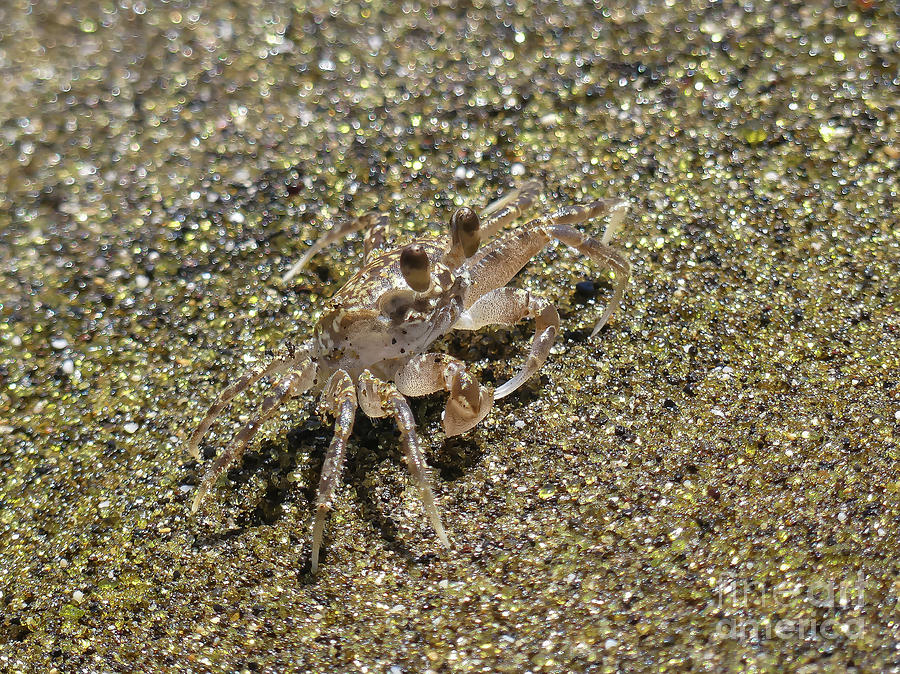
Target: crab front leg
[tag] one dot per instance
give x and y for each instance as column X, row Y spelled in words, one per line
column 287, row 356
column 293, row 384
column 338, row 400
column 469, row 402
column 506, row 306
column 334, row 235
column 495, row 264
column 379, row 398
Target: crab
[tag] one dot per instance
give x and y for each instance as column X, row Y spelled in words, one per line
column 370, row 347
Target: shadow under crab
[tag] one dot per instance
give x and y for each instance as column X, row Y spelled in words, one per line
column 370, row 346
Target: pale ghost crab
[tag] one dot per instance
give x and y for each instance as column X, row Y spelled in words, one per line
column 370, row 346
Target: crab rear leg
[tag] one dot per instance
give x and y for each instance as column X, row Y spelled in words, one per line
column 287, row 356
column 339, row 400
column 378, row 398
column 291, row 385
column 496, row 264
column 500, row 213
column 578, row 213
column 469, row 402
column 506, row 306
column 333, row 235
column 376, row 238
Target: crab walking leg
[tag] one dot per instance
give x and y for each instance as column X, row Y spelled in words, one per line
column 340, row 401
column 500, row 213
column 573, row 215
column 378, row 398
column 469, row 401
column 287, row 356
column 291, row 385
column 496, row 264
column 578, row 213
column 506, row 306
column 415, row 460
column 334, row 235
column 618, row 210
column 376, row 238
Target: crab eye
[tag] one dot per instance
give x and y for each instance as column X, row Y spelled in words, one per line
column 464, row 232
column 416, row 267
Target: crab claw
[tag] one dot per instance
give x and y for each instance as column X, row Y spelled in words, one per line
column 468, row 404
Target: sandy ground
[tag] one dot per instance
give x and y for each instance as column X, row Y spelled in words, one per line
column 710, row 484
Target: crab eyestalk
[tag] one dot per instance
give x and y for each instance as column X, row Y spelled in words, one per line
column 416, row 267
column 465, row 234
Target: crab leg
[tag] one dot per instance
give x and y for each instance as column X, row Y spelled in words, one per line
column 578, row 213
column 334, row 235
column 376, row 238
column 495, row 264
column 500, row 213
column 287, row 356
column 340, row 401
column 291, row 385
column 469, row 402
column 506, row 306
column 378, row 398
